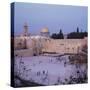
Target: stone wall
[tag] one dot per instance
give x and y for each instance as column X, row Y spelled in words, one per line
column 23, row 53
column 40, row 45
column 64, row 45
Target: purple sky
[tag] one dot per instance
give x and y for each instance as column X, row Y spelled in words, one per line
column 37, row 16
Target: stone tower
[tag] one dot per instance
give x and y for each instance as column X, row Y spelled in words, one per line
column 25, row 31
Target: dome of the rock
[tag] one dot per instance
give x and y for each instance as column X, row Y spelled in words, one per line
column 45, row 30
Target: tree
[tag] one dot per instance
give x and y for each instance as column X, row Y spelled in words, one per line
column 54, row 36
column 60, row 31
column 77, row 30
column 77, row 34
column 58, row 35
column 61, row 34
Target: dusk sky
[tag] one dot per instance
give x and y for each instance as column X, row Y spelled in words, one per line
column 55, row 17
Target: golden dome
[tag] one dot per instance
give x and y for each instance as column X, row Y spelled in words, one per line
column 44, row 30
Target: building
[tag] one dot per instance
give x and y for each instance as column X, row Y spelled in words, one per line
column 45, row 32
column 25, row 30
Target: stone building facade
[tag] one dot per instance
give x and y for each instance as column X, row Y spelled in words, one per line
column 64, row 45
column 36, row 46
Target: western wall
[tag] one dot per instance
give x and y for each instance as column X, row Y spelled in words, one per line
column 28, row 46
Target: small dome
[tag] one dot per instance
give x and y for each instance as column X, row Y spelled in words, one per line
column 44, row 30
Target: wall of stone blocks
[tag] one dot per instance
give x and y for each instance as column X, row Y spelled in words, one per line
column 36, row 46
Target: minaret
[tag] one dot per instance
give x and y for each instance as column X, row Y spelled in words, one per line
column 25, row 32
